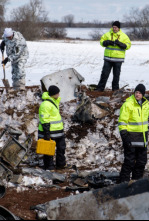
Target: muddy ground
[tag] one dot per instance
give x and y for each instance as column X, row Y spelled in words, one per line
column 20, row 203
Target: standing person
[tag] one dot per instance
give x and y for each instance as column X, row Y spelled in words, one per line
column 116, row 44
column 17, row 54
column 51, row 126
column 133, row 126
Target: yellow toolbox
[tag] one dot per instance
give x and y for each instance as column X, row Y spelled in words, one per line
column 46, row 147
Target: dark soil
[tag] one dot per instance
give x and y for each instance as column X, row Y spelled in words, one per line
column 80, row 131
column 19, row 203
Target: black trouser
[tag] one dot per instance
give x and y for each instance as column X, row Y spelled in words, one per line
column 60, row 155
column 106, row 73
column 135, row 162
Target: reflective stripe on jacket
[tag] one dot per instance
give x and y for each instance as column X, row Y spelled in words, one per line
column 49, row 113
column 115, row 53
column 134, row 119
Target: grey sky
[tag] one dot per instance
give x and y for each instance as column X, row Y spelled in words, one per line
column 85, row 10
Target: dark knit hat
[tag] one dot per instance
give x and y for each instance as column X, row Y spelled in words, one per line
column 53, row 90
column 117, row 24
column 141, row 88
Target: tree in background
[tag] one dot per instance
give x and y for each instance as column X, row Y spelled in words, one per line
column 3, row 4
column 68, row 20
column 138, row 21
column 29, row 19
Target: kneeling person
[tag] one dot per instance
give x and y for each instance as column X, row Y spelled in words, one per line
column 51, row 126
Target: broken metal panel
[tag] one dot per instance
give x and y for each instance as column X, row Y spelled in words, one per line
column 89, row 205
column 125, row 190
column 130, row 208
column 13, row 152
column 80, row 207
column 67, row 80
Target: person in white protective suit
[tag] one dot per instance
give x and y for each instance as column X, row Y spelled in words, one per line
column 17, row 54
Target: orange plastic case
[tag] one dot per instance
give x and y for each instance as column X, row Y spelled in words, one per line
column 45, row 147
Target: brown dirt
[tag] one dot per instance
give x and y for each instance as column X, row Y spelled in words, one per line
column 19, row 203
column 80, row 131
column 96, row 94
column 10, row 112
column 33, row 109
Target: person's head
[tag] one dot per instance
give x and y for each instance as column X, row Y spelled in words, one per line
column 116, row 26
column 140, row 92
column 8, row 33
column 54, row 92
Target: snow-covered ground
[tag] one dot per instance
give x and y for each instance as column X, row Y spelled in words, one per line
column 86, row 57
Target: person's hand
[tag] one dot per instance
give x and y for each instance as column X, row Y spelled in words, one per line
column 107, row 43
column 126, row 138
column 5, row 61
column 120, row 44
column 2, row 46
column 46, row 128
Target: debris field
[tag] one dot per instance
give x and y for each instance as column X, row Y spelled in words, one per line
column 94, row 148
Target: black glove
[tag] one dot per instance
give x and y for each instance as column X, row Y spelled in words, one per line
column 107, row 43
column 3, row 46
column 46, row 128
column 5, row 61
column 120, row 44
column 125, row 138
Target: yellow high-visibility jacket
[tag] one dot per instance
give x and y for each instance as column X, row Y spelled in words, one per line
column 115, row 53
column 134, row 119
column 49, row 113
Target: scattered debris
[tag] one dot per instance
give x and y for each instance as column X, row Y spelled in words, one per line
column 88, row 111
column 92, row 148
column 47, row 175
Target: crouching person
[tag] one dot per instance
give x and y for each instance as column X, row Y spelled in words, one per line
column 133, row 126
column 51, row 127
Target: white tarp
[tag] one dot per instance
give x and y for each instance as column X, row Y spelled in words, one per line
column 67, row 80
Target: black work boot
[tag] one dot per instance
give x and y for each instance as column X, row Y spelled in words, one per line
column 67, row 166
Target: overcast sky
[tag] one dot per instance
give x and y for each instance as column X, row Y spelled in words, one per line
column 85, row 10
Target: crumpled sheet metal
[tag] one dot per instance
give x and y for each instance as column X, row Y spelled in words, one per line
column 67, row 80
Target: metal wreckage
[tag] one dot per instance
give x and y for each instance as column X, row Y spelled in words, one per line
column 97, row 194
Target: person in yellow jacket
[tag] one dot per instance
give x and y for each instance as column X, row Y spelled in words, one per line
column 116, row 43
column 51, row 127
column 133, row 126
